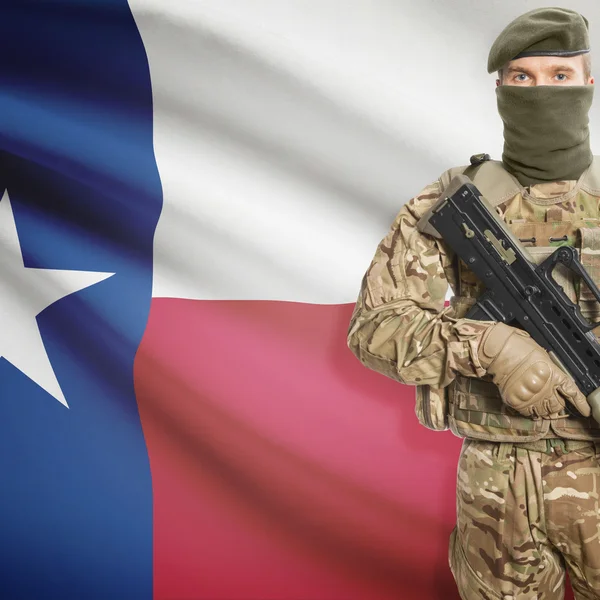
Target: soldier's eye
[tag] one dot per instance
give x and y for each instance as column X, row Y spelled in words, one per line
column 521, row 77
column 561, row 77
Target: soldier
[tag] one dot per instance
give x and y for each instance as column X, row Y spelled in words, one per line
column 528, row 484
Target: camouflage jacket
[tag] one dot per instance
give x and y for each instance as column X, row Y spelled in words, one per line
column 401, row 328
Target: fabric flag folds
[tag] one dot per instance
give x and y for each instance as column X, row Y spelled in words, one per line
column 78, row 216
column 180, row 255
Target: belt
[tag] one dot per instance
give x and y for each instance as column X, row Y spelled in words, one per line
column 550, row 445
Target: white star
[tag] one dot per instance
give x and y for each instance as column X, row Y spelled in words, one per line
column 24, row 294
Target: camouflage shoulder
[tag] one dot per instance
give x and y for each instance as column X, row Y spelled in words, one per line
column 429, row 195
column 447, row 176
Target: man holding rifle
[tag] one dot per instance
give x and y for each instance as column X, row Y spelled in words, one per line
column 528, row 503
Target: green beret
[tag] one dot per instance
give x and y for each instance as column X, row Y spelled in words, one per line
column 541, row 32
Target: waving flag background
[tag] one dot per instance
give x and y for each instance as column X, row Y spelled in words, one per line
column 193, row 192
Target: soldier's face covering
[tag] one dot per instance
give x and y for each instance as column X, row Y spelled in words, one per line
column 546, row 134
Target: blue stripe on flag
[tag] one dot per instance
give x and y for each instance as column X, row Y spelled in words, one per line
column 78, row 164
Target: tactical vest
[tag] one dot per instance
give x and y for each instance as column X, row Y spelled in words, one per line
column 472, row 407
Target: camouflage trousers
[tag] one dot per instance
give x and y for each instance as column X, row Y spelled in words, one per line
column 523, row 517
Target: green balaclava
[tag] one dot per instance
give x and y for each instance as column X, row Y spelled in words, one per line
column 546, row 134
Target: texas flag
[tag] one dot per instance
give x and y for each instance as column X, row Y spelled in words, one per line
column 185, row 218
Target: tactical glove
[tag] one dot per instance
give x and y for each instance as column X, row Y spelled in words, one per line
column 528, row 379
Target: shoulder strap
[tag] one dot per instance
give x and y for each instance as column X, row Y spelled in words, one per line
column 495, row 183
column 591, row 178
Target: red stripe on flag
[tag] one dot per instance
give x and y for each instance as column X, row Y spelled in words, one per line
column 281, row 467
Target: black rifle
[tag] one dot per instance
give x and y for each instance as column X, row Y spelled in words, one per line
column 517, row 290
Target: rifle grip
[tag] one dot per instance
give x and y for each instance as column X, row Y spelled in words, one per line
column 594, row 402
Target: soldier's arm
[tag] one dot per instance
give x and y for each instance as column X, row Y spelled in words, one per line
column 399, row 326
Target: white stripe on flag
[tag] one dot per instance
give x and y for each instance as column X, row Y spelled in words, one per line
column 287, row 139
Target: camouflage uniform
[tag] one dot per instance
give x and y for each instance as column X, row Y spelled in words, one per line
column 522, row 515
column 527, row 494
